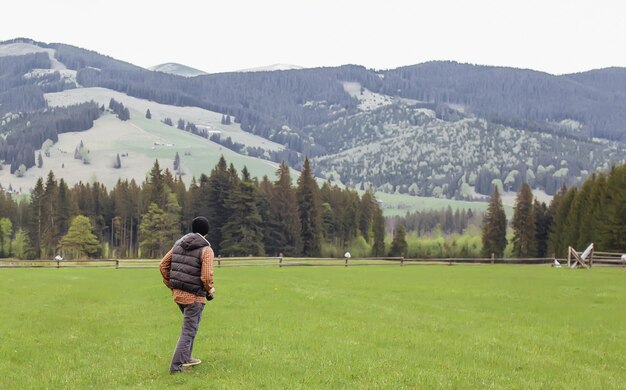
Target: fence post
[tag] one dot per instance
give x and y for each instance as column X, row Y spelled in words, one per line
column 219, row 261
column 280, row 261
column 58, row 265
column 493, row 256
column 569, row 257
column 346, row 261
column 117, row 264
column 401, row 261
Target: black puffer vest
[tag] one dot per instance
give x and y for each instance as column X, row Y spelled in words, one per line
column 187, row 264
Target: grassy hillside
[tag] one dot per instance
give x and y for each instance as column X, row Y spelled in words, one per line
column 510, row 327
column 137, row 139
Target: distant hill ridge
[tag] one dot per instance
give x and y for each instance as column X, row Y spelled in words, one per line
column 324, row 112
column 177, row 69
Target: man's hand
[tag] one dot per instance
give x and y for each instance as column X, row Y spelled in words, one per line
column 209, row 296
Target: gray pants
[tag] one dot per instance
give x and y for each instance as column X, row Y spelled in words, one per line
column 192, row 314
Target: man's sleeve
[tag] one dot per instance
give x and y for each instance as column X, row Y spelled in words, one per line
column 207, row 269
column 165, row 268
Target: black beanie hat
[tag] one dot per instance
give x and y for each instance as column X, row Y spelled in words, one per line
column 200, row 225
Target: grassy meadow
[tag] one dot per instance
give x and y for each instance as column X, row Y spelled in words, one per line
column 479, row 327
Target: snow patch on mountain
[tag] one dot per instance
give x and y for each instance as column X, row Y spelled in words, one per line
column 273, row 67
column 177, row 69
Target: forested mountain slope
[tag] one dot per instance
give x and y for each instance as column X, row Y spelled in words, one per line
column 436, row 129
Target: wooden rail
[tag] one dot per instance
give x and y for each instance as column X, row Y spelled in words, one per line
column 225, row 262
column 600, row 258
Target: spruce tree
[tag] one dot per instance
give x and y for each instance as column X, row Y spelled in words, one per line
column 213, row 197
column 613, row 230
column 243, row 232
column 80, row 240
column 542, row 228
column 152, row 232
column 148, row 114
column 494, row 227
column 309, row 212
column 284, row 235
column 399, row 245
column 378, row 249
column 36, row 217
column 562, row 241
column 553, row 222
column 50, row 234
column 524, row 240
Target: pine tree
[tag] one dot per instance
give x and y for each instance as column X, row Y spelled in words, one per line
column 555, row 227
column 542, row 228
column 614, row 229
column 177, row 163
column 35, row 225
column 309, row 212
column 148, row 114
column 494, row 227
column 213, row 198
column 50, row 234
column 80, row 240
column 562, row 217
column 39, row 161
column 243, row 232
column 524, row 241
column 284, row 228
column 399, row 245
column 152, row 230
column 155, row 189
column 118, row 162
column 378, row 249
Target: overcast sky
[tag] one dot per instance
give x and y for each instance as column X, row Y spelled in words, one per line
column 555, row 36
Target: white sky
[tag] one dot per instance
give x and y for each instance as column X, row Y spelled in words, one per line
column 555, row 36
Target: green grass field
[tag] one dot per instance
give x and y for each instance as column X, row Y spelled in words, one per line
column 306, row 327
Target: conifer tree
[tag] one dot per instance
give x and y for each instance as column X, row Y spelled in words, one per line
column 50, row 234
column 152, row 230
column 542, row 228
column 155, row 189
column 214, row 193
column 243, row 232
column 494, row 227
column 309, row 212
column 562, row 220
column 148, row 114
column 80, row 240
column 614, row 229
column 284, row 234
column 378, row 249
column 524, row 240
column 399, row 245
column 554, row 224
column 36, row 216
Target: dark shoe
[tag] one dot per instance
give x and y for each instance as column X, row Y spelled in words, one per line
column 192, row 362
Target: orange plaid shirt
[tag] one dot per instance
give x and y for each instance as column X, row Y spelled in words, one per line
column 206, row 275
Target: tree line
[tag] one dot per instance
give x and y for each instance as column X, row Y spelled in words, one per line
column 247, row 216
column 27, row 132
column 594, row 213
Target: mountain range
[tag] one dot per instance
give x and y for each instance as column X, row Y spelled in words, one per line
column 441, row 129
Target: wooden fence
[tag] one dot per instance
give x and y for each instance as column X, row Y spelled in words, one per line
column 224, row 262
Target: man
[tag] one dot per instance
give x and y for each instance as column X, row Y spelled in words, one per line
column 187, row 270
